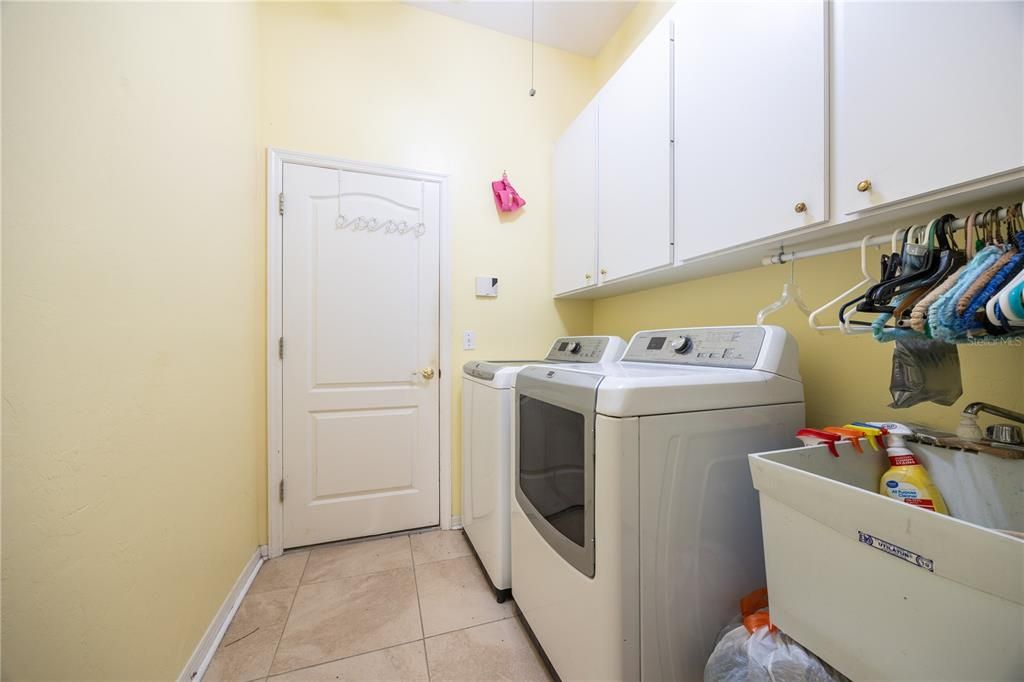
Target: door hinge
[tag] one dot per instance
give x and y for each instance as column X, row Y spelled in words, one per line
column 280, row 491
column 280, row 203
column 280, row 347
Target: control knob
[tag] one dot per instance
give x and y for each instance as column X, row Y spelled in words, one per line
column 682, row 345
column 575, row 347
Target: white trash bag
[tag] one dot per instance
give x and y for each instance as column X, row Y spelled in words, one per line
column 764, row 655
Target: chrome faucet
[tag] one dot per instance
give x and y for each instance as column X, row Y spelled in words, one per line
column 974, row 408
column 1004, row 434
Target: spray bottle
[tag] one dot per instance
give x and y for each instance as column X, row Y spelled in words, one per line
column 907, row 479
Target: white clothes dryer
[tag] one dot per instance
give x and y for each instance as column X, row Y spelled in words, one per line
column 635, row 524
column 487, row 389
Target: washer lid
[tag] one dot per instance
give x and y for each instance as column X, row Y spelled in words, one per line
column 500, row 373
column 583, row 350
column 635, row 389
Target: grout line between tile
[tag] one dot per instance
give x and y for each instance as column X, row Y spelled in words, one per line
column 344, row 658
column 288, row 615
column 426, row 659
column 447, row 558
column 468, row 627
column 354, row 575
column 419, row 608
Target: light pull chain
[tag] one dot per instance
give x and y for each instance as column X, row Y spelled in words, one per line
column 533, row 22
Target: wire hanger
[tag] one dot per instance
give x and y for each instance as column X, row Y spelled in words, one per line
column 790, row 294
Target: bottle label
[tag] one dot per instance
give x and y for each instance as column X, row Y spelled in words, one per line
column 908, row 493
column 903, row 460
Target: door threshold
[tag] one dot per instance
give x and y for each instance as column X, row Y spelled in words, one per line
column 363, row 538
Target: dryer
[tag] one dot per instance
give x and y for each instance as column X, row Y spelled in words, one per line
column 635, row 524
column 487, row 388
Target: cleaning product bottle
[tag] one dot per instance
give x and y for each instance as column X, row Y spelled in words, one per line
column 907, row 479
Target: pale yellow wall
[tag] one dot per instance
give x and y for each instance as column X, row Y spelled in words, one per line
column 634, row 29
column 133, row 303
column 845, row 378
column 402, row 86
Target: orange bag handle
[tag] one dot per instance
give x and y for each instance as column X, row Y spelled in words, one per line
column 753, row 608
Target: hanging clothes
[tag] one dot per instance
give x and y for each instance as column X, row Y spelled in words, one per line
column 933, row 289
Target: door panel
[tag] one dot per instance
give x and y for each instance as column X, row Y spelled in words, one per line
column 750, row 111
column 634, row 142
column 360, row 316
column 928, row 95
column 574, row 204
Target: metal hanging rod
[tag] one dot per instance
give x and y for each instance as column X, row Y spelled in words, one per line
column 788, row 256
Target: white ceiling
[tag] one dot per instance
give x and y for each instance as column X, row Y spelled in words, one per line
column 582, row 27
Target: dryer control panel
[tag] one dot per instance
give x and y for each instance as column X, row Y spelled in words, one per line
column 586, row 349
column 736, row 347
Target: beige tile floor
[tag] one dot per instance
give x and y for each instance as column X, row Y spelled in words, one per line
column 411, row 607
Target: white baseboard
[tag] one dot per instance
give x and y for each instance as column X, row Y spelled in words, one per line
column 201, row 657
column 456, row 523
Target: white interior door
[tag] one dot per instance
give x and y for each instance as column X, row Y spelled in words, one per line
column 360, row 323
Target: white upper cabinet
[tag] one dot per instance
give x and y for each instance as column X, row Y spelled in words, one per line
column 750, row 122
column 634, row 190
column 574, row 199
column 928, row 95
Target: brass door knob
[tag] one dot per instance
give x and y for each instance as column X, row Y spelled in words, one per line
column 428, row 373
column 800, row 208
column 603, row 271
column 587, row 275
column 863, row 185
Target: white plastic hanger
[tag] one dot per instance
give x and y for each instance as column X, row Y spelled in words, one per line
column 846, row 326
column 790, row 294
column 1003, row 297
column 812, row 319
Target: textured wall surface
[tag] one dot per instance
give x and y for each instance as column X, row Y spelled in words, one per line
column 133, row 299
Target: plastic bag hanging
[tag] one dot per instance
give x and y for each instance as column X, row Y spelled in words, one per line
column 924, row 370
column 506, row 198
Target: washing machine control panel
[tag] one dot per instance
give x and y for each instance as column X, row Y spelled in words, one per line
column 578, row 349
column 736, row 347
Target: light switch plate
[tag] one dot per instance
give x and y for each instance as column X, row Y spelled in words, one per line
column 468, row 340
column 487, row 286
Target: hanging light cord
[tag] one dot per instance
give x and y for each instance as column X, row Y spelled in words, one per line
column 533, row 22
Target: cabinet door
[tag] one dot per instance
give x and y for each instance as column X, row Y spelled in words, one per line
column 634, row 189
column 750, row 130
column 574, row 197
column 928, row 95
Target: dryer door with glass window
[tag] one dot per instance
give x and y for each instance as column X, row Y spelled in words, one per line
column 554, row 472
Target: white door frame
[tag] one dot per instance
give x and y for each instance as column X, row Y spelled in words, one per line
column 276, row 158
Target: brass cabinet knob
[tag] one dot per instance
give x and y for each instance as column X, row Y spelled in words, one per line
column 800, row 208
column 587, row 275
column 428, row 373
column 603, row 271
column 863, row 185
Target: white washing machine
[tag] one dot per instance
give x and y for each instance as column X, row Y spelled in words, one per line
column 635, row 525
column 487, row 388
